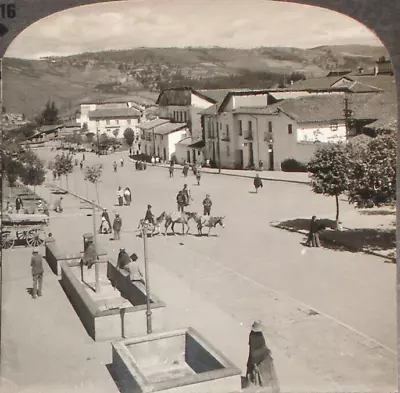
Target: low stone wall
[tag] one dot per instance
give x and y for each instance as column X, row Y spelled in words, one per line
column 128, row 320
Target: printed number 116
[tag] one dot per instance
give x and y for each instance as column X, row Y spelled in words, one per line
column 7, row 11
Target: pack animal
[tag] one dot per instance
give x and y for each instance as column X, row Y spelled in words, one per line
column 209, row 222
column 153, row 227
column 178, row 218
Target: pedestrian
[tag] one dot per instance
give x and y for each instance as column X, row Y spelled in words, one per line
column 135, row 273
column 37, row 274
column 83, row 157
column 57, row 205
column 180, row 200
column 207, row 203
column 260, row 364
column 122, row 162
column 198, row 176
column 76, row 162
column 104, row 226
column 120, row 196
column 171, row 169
column 136, row 165
column 157, row 160
column 18, row 204
column 90, row 256
column 115, row 166
column 153, row 161
column 106, row 216
column 313, row 236
column 186, row 193
column 144, row 165
column 185, row 170
column 117, row 225
column 123, row 259
column 257, row 182
column 54, row 175
column 261, row 165
column 149, row 217
column 81, row 164
column 127, row 196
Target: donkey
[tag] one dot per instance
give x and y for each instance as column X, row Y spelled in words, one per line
column 155, row 226
column 178, row 218
column 210, row 222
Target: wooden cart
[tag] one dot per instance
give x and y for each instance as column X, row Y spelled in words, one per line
column 29, row 228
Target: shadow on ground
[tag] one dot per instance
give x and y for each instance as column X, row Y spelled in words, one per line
column 378, row 212
column 114, row 377
column 355, row 240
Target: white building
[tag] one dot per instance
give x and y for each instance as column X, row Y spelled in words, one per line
column 159, row 137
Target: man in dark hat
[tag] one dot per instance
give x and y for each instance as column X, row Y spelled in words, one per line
column 37, row 273
column 117, row 225
column 149, row 217
column 180, row 200
column 171, row 169
column 134, row 271
column 18, row 204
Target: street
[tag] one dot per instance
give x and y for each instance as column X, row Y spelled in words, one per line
column 332, row 312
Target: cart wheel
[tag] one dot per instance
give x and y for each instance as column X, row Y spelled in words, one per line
column 33, row 238
column 6, row 240
column 21, row 235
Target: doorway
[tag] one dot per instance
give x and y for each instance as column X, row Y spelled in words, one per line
column 271, row 157
column 165, row 154
column 194, row 156
column 241, row 159
column 251, row 155
column 188, row 156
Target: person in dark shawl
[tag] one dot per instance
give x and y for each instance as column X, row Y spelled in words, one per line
column 257, row 182
column 106, row 216
column 123, row 259
column 18, row 204
column 128, row 196
column 313, row 236
column 90, row 256
column 149, row 217
column 260, row 364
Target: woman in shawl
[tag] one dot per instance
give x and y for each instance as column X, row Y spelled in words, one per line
column 120, row 196
column 257, row 182
column 128, row 196
column 260, row 364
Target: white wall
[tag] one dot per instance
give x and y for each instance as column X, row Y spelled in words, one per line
column 173, row 139
column 321, row 132
column 101, row 126
column 85, row 109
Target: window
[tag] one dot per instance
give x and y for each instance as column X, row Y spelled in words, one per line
column 250, row 125
column 129, row 121
column 117, row 122
column 240, row 128
column 220, row 126
column 198, row 152
column 108, row 122
column 290, row 129
column 212, row 129
column 228, row 153
column 180, row 116
column 227, row 131
column 185, row 116
column 270, row 126
column 334, row 126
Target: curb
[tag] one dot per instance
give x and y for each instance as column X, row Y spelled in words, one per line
column 349, row 247
column 236, row 175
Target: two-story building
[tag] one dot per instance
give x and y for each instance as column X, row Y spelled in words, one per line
column 114, row 121
column 159, row 137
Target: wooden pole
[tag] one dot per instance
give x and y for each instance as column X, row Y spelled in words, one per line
column 146, row 273
column 96, row 266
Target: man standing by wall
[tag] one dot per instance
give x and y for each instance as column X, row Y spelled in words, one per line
column 37, row 274
column 117, row 224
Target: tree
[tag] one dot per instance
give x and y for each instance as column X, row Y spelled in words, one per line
column 49, row 115
column 129, row 136
column 328, row 171
column 372, row 173
column 63, row 165
column 85, row 128
column 12, row 170
column 89, row 136
column 93, row 173
column 115, row 133
column 33, row 173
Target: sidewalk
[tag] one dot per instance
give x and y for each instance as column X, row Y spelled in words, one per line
column 289, row 177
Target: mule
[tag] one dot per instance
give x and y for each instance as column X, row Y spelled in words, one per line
column 178, row 218
column 210, row 222
column 153, row 227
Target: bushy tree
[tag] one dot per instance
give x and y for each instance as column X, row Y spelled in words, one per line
column 33, row 173
column 328, row 171
column 372, row 173
column 115, row 133
column 93, row 174
column 63, row 165
column 129, row 136
column 49, row 115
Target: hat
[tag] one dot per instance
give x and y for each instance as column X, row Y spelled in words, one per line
column 134, row 257
column 149, row 206
column 207, row 195
column 34, row 251
column 256, row 327
column 117, row 214
column 185, row 185
column 122, row 249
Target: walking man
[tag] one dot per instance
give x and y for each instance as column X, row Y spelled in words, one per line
column 117, row 224
column 120, row 196
column 198, row 176
column 180, row 200
column 37, row 273
column 115, row 166
column 171, row 169
column 257, row 182
column 207, row 205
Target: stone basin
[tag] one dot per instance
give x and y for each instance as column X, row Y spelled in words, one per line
column 176, row 361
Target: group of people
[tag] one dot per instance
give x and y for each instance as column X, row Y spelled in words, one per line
column 122, row 195
column 140, row 165
column 115, row 165
column 19, row 208
column 105, row 226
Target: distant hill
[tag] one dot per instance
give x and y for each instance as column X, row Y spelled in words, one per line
column 28, row 84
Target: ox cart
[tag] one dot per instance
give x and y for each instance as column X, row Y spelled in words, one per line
column 23, row 227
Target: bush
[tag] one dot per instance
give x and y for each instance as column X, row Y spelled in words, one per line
column 292, row 165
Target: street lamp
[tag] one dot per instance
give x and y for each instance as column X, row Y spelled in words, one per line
column 146, row 274
column 96, row 266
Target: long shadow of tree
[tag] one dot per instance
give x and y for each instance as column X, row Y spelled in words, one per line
column 355, row 240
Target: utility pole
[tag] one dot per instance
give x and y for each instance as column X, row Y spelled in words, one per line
column 96, row 266
column 146, row 273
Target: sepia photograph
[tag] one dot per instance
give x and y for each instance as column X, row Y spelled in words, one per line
column 197, row 196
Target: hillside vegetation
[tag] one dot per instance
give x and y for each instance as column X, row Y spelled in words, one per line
column 29, row 84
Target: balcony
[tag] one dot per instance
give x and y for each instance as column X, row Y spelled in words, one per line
column 268, row 138
column 248, row 135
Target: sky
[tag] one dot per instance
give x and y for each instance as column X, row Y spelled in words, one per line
column 179, row 23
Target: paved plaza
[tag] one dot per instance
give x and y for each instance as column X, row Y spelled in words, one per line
column 329, row 316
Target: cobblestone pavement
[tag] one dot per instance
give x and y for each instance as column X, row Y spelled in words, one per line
column 329, row 315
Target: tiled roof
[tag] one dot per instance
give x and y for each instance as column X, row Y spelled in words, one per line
column 48, row 129
column 151, row 124
column 384, row 82
column 211, row 110
column 198, row 145
column 114, row 112
column 251, row 110
column 72, row 123
column 315, row 83
column 168, row 128
column 218, row 94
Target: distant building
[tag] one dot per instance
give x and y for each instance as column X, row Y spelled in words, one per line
column 46, row 134
column 384, row 67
